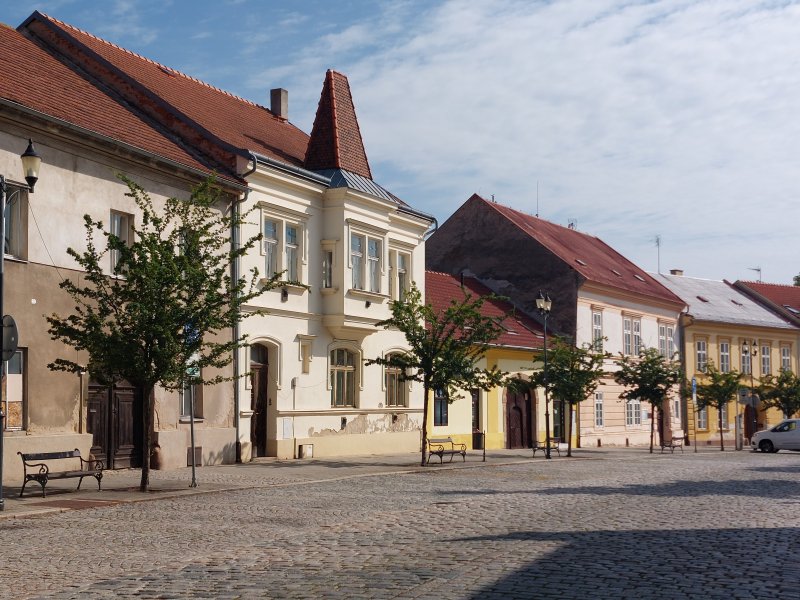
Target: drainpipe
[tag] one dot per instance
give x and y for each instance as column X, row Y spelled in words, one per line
column 236, row 331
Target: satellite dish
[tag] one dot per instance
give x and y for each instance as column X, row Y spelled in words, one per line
column 10, row 337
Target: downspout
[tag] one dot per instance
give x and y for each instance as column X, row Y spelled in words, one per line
column 236, row 331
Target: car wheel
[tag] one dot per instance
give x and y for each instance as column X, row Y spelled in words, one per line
column 766, row 446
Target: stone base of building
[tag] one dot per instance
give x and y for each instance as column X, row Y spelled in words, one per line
column 346, row 445
column 215, row 446
column 14, row 442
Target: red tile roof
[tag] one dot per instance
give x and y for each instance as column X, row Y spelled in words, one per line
column 784, row 297
column 33, row 78
column 219, row 116
column 336, row 141
column 588, row 255
column 519, row 330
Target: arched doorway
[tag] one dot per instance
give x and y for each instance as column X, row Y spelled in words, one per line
column 518, row 419
column 259, row 381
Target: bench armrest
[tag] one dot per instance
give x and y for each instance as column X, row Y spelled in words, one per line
column 93, row 464
column 43, row 468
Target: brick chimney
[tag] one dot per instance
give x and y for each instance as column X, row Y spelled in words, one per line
column 279, row 103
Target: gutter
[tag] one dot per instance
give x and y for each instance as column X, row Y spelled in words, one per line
column 236, row 330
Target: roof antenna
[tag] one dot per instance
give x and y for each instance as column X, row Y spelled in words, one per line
column 658, row 251
column 757, row 270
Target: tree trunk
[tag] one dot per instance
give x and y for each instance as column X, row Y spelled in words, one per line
column 569, row 429
column 721, row 439
column 426, row 392
column 148, row 409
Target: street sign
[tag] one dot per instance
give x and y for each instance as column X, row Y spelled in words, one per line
column 10, row 337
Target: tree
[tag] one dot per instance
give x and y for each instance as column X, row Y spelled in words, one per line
column 781, row 392
column 444, row 346
column 648, row 377
column 165, row 315
column 573, row 374
column 717, row 391
column 796, row 280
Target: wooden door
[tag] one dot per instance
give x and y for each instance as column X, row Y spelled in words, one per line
column 115, row 420
column 518, row 411
column 258, row 402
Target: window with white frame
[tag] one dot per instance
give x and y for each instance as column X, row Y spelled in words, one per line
column 399, row 263
column 327, row 269
column 786, row 358
column 597, row 329
column 746, row 360
column 702, row 418
column 637, row 336
column 766, row 363
column 343, row 377
column 632, row 335
column 670, row 341
column 374, row 260
column 633, row 412
column 283, row 246
column 701, row 355
column 725, row 357
column 676, row 409
column 598, row 409
column 396, row 387
column 662, row 340
column 15, row 238
column 357, row 260
column 14, row 397
column 724, row 416
column 122, row 228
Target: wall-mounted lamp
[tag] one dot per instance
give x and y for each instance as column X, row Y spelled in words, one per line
column 284, row 295
column 368, row 304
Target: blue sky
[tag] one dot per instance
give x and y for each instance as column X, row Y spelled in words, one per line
column 635, row 119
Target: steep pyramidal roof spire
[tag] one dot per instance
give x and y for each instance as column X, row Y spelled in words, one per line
column 335, row 138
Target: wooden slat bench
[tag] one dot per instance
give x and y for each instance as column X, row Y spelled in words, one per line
column 41, row 473
column 543, row 447
column 445, row 446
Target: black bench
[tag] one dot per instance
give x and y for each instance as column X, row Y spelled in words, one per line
column 41, row 473
column 676, row 441
column 445, row 446
column 543, row 447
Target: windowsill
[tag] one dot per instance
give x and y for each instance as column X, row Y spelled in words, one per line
column 365, row 295
column 13, row 258
column 186, row 419
column 294, row 288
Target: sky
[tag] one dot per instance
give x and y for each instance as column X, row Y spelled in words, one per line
column 637, row 120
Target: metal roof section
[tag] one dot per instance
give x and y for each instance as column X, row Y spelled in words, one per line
column 340, row 178
column 711, row 300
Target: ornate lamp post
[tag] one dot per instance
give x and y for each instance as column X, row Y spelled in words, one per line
column 543, row 305
column 31, row 162
column 751, row 352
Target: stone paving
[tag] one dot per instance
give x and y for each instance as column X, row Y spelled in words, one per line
column 606, row 524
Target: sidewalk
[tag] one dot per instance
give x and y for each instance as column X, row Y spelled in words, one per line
column 123, row 486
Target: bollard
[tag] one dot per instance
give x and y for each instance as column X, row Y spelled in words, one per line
column 627, row 443
column 599, row 443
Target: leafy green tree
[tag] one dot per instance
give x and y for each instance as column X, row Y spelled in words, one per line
column 781, row 392
column 444, row 346
column 796, row 280
column 648, row 377
column 165, row 315
column 573, row 374
column 717, row 389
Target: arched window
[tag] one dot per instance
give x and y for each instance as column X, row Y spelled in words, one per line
column 396, row 388
column 343, row 378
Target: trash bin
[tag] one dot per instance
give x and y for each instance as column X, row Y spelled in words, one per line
column 477, row 440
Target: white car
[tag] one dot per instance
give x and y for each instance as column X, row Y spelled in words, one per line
column 784, row 436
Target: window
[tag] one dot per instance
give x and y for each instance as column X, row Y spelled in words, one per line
column 270, row 248
column 701, row 356
column 357, row 261
column 15, row 221
column 374, row 259
column 305, row 354
column 662, row 340
column 786, row 358
column 396, row 394
column 766, row 365
column 725, row 357
column 633, row 412
column 598, row 409
column 14, row 393
column 292, row 254
column 677, row 408
column 597, row 329
column 440, row 406
column 746, row 362
column 702, row 418
column 327, row 269
column 343, row 378
column 192, row 393
column 122, row 227
column 402, row 275
column 632, row 335
column 671, row 340
column 724, row 416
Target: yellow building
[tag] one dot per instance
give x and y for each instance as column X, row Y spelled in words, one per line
column 725, row 327
column 505, row 418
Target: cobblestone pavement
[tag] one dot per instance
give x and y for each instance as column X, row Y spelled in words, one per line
column 611, row 524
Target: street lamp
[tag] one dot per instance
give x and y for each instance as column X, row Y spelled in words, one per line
column 543, row 305
column 31, row 162
column 751, row 352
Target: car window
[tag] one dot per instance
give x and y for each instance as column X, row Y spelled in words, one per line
column 788, row 426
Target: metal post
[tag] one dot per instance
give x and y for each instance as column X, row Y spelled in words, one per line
column 191, row 430
column 694, row 410
column 546, row 396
